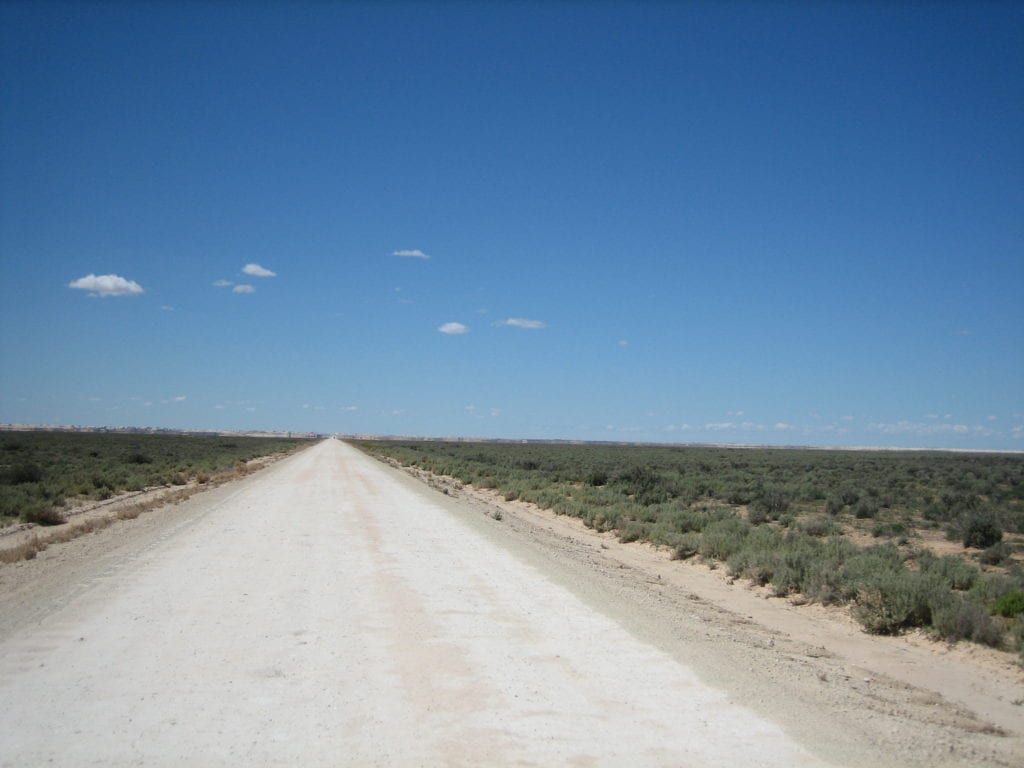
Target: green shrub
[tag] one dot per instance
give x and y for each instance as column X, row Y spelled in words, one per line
column 772, row 500
column 889, row 602
column 949, row 569
column 633, row 531
column 959, row 619
column 1009, row 605
column 723, row 538
column 21, row 474
column 865, row 509
column 996, row 554
column 818, row 526
column 888, row 530
column 981, row 533
column 687, row 546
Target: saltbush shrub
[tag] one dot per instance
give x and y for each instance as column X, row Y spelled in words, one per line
column 981, row 533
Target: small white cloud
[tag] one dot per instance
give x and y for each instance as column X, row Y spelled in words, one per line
column 106, row 285
column 167, row 308
column 243, row 289
column 495, row 412
column 218, row 407
column 180, row 398
column 350, row 407
column 221, row 283
column 622, row 343
column 257, row 271
column 470, row 407
column 453, row 329
column 413, row 253
column 782, row 426
column 904, row 427
column 720, row 426
column 522, row 322
column 991, row 417
column 846, row 418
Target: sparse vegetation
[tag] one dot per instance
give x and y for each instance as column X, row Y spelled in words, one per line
column 41, row 473
column 831, row 526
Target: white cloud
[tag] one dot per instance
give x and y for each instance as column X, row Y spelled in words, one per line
column 106, row 285
column 623, row 343
column 453, row 329
column 905, row 427
column 218, row 407
column 731, row 426
column 784, row 427
column 180, row 398
column 350, row 407
column 221, row 283
column 521, row 322
column 243, row 289
column 167, row 308
column 257, row 271
column 413, row 253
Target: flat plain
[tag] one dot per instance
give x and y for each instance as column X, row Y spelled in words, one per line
column 331, row 610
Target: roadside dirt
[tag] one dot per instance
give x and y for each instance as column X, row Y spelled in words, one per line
column 331, row 610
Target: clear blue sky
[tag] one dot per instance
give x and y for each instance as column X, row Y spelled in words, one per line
column 791, row 223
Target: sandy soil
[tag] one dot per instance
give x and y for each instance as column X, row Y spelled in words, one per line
column 330, row 610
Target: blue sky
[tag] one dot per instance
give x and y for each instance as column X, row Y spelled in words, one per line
column 782, row 223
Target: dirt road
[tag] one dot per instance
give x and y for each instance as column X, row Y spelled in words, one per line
column 331, row 611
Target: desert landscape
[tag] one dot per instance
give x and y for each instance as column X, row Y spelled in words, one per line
column 331, row 610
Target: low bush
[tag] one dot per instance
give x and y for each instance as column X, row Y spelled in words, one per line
column 21, row 474
column 687, row 546
column 723, row 538
column 981, row 533
column 948, row 569
column 865, row 509
column 772, row 501
column 1009, row 605
column 43, row 516
column 958, row 619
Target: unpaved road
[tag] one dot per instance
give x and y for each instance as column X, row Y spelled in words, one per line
column 332, row 611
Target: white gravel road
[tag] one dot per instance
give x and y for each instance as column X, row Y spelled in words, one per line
column 323, row 613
